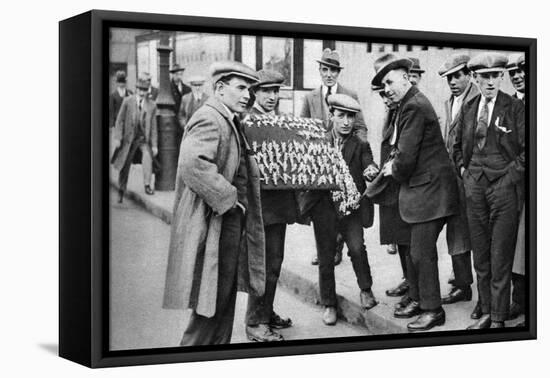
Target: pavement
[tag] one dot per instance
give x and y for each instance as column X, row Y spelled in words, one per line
column 300, row 278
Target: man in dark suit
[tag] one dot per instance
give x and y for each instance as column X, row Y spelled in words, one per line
column 427, row 193
column 279, row 208
column 192, row 101
column 217, row 241
column 316, row 106
column 516, row 72
column 177, row 86
column 327, row 221
column 136, row 129
column 118, row 95
column 152, row 92
column 458, row 76
column 489, row 154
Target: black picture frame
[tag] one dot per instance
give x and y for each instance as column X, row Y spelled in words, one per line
column 84, row 187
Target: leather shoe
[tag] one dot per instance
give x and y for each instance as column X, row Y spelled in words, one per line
column 279, row 323
column 403, row 302
column 483, row 322
column 497, row 324
column 338, row 258
column 330, row 316
column 399, row 290
column 315, row 260
column 368, row 300
column 120, row 195
column 476, row 313
column 148, row 190
column 412, row 309
column 457, row 294
column 427, row 320
column 515, row 311
column 262, row 333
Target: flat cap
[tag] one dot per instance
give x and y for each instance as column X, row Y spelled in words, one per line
column 120, row 76
column 330, row 58
column 515, row 61
column 386, row 63
column 176, row 68
column 416, row 66
column 488, row 62
column 269, row 79
column 453, row 64
column 221, row 69
column 343, row 102
column 196, row 80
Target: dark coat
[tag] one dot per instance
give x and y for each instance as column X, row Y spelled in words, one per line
column 314, row 105
column 188, row 107
column 115, row 102
column 428, row 188
column 393, row 229
column 177, row 95
column 204, row 192
column 126, row 123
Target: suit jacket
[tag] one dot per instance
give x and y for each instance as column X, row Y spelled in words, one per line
column 511, row 115
column 204, row 192
column 126, row 124
column 315, row 106
column 188, row 107
column 449, row 132
column 422, row 166
column 177, row 95
column 115, row 102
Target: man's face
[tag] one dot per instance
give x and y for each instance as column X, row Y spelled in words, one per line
column 329, row 75
column 396, row 84
column 197, row 89
column 517, row 76
column 414, row 78
column 458, row 82
column 342, row 121
column 142, row 92
column 489, row 83
column 234, row 94
column 389, row 103
column 178, row 76
column 267, row 98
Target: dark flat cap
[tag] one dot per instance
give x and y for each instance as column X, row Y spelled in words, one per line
column 344, row 102
column 176, row 68
column 120, row 76
column 222, row 69
column 269, row 79
column 488, row 62
column 416, row 66
column 515, row 61
column 386, row 63
column 453, row 64
column 330, row 58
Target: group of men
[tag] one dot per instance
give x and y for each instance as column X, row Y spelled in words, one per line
column 133, row 121
column 467, row 174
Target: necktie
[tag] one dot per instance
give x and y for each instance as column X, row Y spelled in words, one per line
column 139, row 104
column 329, row 92
column 482, row 126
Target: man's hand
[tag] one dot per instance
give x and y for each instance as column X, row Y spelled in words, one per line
column 387, row 168
column 116, row 143
column 371, row 172
column 155, row 151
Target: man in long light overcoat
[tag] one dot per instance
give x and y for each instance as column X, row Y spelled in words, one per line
column 217, row 239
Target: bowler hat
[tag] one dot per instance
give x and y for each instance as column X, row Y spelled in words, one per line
column 120, row 77
column 269, row 79
column 515, row 61
column 343, row 102
column 488, row 62
column 330, row 58
column 176, row 68
column 453, row 64
column 416, row 66
column 143, row 84
column 221, row 69
column 386, row 63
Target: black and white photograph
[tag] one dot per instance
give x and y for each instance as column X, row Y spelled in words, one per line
column 268, row 189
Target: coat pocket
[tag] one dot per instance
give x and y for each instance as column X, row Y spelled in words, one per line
column 421, row 179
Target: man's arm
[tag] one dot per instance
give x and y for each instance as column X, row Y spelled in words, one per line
column 198, row 166
column 154, row 130
column 120, row 121
column 458, row 158
column 411, row 123
column 517, row 168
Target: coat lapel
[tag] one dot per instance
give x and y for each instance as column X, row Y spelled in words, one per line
column 216, row 104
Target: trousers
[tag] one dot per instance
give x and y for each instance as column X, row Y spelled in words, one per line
column 146, row 164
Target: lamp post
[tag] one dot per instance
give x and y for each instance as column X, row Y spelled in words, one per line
column 167, row 124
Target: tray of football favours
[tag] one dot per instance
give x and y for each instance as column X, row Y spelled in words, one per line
column 294, row 153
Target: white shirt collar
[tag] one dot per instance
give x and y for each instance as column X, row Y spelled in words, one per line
column 121, row 91
column 231, row 114
column 520, row 95
column 490, row 105
column 333, row 89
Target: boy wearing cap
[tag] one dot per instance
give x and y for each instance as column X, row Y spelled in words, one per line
column 427, row 192
column 136, row 129
column 217, row 241
column 279, row 208
column 118, row 95
column 192, row 101
column 458, row 76
column 489, row 154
